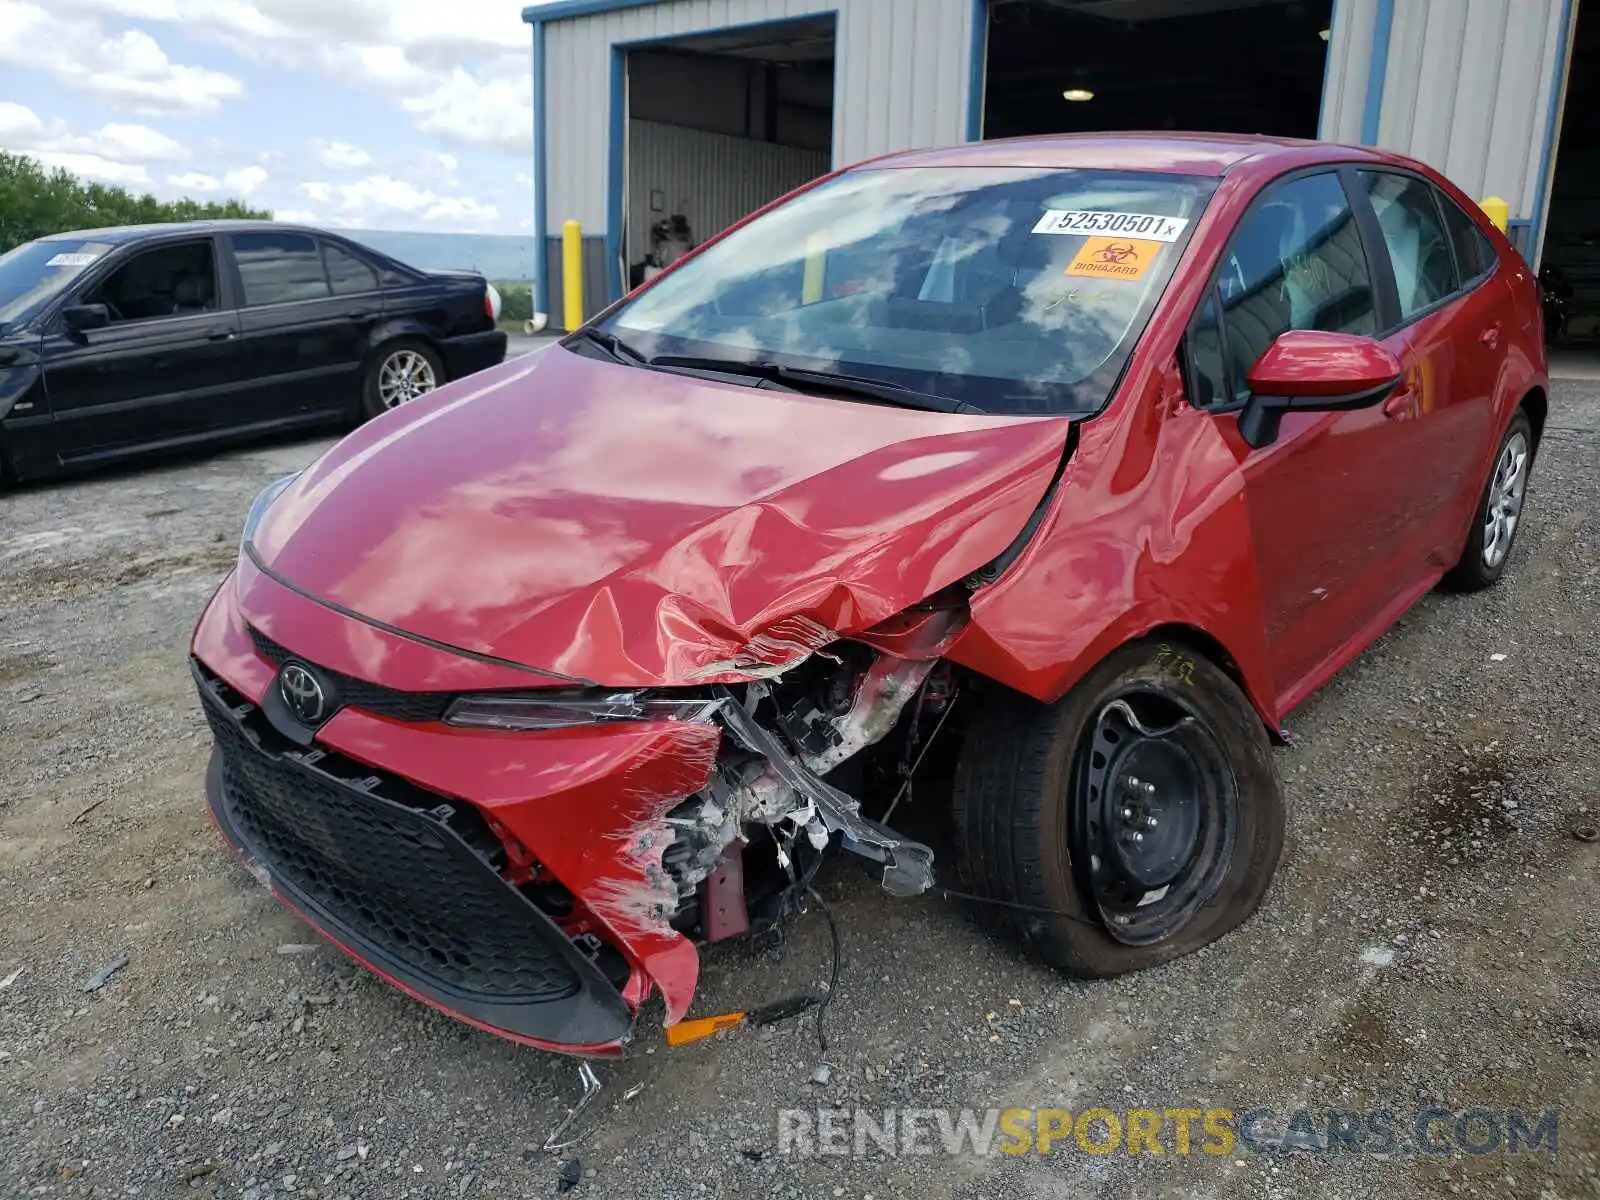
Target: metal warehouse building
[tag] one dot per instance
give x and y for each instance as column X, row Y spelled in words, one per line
column 651, row 110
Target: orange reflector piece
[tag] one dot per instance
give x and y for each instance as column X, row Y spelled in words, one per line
column 701, row 1028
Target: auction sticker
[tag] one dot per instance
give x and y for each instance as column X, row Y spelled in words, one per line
column 1129, row 224
column 1115, row 258
column 70, row 260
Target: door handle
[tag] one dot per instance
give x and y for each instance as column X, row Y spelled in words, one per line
column 1490, row 337
column 359, row 316
column 220, row 335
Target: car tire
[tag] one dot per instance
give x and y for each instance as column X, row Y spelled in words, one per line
column 1489, row 542
column 1046, row 856
column 391, row 364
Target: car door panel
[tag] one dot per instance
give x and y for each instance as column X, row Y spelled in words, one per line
column 143, row 381
column 307, row 344
column 1323, row 498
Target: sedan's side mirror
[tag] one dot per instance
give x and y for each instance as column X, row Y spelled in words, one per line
column 86, row 316
column 1314, row 370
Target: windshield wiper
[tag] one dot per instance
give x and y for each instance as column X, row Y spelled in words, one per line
column 818, row 382
column 612, row 345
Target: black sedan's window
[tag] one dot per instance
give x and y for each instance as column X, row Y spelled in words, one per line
column 277, row 268
column 347, row 273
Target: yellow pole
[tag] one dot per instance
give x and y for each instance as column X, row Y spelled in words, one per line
column 1497, row 210
column 572, row 273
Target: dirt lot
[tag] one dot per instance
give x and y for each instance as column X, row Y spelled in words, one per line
column 1433, row 936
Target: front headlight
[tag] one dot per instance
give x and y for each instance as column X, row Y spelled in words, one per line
column 259, row 506
column 566, row 710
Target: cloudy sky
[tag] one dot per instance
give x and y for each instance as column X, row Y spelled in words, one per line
column 376, row 114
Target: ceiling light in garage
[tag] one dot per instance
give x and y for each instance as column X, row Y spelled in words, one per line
column 1077, row 95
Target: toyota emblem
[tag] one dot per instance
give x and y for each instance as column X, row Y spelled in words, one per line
column 302, row 692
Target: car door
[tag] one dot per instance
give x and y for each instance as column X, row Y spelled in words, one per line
column 157, row 372
column 1449, row 313
column 307, row 338
column 1324, row 498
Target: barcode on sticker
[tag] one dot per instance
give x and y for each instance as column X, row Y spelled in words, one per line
column 70, row 260
column 1129, row 224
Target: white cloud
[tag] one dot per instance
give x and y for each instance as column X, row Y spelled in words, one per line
column 295, row 216
column 244, row 180
column 342, row 155
column 460, row 208
column 129, row 68
column 195, row 181
column 95, row 167
column 117, row 153
column 319, row 192
column 18, row 125
column 496, row 113
column 139, row 143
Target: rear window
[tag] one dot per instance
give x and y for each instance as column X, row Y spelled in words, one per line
column 1011, row 289
column 278, row 268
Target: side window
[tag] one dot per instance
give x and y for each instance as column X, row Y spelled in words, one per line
column 1475, row 254
column 347, row 274
column 279, row 267
column 1418, row 248
column 1295, row 262
column 168, row 281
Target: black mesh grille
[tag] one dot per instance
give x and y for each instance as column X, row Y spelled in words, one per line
column 358, row 693
column 397, row 875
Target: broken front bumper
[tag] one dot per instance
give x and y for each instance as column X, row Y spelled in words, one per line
column 402, row 882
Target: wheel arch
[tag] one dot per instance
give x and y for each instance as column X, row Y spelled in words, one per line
column 1536, row 403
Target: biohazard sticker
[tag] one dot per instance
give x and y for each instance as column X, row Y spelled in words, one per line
column 1129, row 224
column 1114, row 258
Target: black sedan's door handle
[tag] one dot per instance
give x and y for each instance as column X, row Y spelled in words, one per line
column 221, row 335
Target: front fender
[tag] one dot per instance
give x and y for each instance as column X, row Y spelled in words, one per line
column 1148, row 529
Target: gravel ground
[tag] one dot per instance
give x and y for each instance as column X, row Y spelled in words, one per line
column 1432, row 936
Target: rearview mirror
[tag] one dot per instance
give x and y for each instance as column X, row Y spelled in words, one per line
column 1317, row 371
column 86, row 316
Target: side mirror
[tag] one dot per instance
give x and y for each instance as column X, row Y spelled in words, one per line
column 86, row 316
column 1311, row 370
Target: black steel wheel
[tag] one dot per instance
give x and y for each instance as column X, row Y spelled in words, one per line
column 1135, row 820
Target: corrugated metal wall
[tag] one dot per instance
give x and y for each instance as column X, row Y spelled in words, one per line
column 1467, row 88
column 900, row 80
column 711, row 178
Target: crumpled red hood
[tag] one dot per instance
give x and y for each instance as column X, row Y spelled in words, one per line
column 634, row 528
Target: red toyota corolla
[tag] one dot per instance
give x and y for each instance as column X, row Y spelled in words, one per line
column 1085, row 459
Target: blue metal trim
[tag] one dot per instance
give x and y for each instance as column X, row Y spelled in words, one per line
column 560, row 10
column 1558, row 88
column 977, row 68
column 1327, row 69
column 1377, row 67
column 616, row 270
column 541, row 216
column 618, row 165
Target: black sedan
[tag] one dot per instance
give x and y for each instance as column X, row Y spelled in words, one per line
column 115, row 342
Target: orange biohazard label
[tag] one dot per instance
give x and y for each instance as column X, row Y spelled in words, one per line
column 1115, row 257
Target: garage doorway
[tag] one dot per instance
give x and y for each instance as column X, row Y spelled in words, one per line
column 718, row 124
column 1569, row 262
column 1225, row 66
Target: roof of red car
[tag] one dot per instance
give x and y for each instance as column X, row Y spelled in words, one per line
column 1179, row 153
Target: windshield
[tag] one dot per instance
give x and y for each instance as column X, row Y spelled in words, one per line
column 1012, row 290
column 35, row 272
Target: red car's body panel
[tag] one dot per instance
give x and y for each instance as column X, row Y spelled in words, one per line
column 633, row 535
column 562, row 519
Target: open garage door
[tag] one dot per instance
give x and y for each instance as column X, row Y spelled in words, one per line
column 1569, row 263
column 719, row 124
column 1226, row 66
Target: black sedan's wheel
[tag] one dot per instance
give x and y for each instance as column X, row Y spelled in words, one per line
column 1136, row 820
column 1499, row 512
column 400, row 372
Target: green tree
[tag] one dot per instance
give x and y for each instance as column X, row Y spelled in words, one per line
column 35, row 202
column 516, row 301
